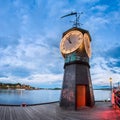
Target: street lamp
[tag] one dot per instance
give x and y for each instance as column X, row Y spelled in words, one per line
column 110, row 79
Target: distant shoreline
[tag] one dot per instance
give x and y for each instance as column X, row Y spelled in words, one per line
column 23, row 86
column 102, row 89
column 48, row 89
column 30, row 89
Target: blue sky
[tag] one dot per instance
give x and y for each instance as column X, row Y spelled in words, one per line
column 31, row 30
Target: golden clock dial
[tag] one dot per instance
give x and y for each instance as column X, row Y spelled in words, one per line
column 71, row 42
column 87, row 44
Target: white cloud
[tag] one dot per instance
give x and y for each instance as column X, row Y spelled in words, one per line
column 46, row 78
column 95, row 23
column 35, row 78
column 114, row 17
column 101, row 72
column 88, row 1
column 34, row 55
column 9, row 79
column 100, row 7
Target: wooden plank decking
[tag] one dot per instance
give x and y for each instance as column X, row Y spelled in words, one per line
column 101, row 111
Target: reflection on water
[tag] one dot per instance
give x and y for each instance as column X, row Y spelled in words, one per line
column 9, row 92
column 28, row 96
column 40, row 96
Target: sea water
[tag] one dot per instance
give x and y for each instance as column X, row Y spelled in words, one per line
column 18, row 97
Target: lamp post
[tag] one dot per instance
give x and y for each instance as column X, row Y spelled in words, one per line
column 110, row 83
column 110, row 79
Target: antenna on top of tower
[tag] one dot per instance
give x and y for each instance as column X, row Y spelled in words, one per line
column 76, row 22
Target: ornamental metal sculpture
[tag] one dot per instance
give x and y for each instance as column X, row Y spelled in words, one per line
column 76, row 22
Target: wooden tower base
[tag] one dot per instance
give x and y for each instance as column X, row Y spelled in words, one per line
column 77, row 87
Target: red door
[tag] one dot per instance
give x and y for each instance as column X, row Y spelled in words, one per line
column 81, row 95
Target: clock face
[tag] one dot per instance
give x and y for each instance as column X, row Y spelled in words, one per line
column 87, row 44
column 71, row 42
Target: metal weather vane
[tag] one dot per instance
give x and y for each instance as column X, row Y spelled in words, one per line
column 76, row 22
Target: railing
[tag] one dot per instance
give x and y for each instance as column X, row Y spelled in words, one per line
column 115, row 99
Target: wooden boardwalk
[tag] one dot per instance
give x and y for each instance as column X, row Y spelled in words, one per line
column 101, row 111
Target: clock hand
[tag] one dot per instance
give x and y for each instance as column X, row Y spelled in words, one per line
column 69, row 40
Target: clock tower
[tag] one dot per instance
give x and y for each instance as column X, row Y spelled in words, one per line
column 77, row 88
